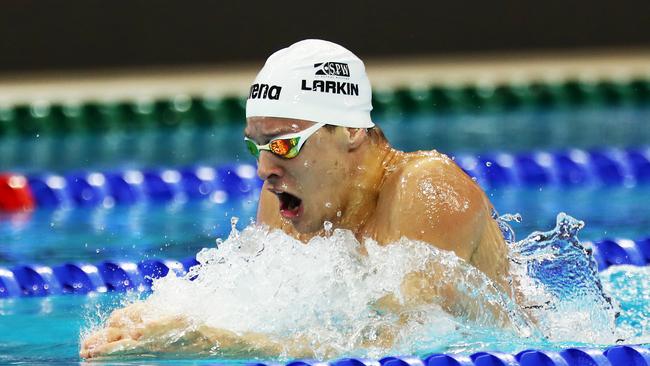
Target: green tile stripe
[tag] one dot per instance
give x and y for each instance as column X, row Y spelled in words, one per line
column 475, row 98
column 43, row 118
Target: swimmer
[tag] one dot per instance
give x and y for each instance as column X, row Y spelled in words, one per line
column 323, row 159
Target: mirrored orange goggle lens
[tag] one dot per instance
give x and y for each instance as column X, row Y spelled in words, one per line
column 284, row 147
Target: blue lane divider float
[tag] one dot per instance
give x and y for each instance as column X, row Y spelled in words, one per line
column 611, row 167
column 631, row 355
column 610, row 252
column 81, row 278
column 573, row 167
column 131, row 186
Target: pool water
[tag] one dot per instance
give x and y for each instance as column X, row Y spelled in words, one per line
column 178, row 230
column 174, row 230
column 45, row 330
column 513, row 131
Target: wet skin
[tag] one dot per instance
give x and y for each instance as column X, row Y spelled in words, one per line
column 345, row 177
column 378, row 192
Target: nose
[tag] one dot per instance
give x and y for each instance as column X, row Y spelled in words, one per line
column 267, row 166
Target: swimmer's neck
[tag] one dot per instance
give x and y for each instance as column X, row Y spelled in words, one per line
column 369, row 168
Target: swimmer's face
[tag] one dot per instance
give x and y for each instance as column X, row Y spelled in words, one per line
column 311, row 187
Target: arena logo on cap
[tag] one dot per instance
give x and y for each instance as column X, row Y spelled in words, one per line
column 332, row 69
column 264, row 91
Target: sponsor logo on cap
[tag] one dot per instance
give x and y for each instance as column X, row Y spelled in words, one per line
column 265, row 91
column 332, row 69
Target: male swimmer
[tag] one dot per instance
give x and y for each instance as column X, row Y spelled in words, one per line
column 323, row 159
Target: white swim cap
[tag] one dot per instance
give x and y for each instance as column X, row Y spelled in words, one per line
column 313, row 80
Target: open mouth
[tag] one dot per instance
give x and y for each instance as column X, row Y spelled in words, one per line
column 290, row 205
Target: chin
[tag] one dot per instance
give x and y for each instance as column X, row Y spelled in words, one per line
column 306, row 226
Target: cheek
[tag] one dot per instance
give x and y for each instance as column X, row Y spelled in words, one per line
column 319, row 168
column 308, row 165
column 315, row 177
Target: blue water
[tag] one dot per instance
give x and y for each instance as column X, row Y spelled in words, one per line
column 177, row 230
column 47, row 329
column 173, row 230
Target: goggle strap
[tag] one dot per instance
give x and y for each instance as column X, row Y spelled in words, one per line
column 304, row 134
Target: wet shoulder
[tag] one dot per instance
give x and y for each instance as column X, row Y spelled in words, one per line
column 427, row 165
column 430, row 198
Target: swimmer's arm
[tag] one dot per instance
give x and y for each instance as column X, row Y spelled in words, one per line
column 457, row 293
column 420, row 291
column 436, row 202
column 253, row 344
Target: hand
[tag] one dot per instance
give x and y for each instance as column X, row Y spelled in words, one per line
column 127, row 333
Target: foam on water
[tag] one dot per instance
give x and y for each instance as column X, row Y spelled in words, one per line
column 630, row 287
column 265, row 281
column 326, row 291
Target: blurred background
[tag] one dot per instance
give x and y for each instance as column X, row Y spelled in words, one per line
column 111, row 108
column 108, row 109
column 90, row 35
column 121, row 127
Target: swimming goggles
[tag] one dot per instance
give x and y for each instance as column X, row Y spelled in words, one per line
column 286, row 146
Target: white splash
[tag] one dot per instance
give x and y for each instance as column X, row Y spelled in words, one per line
column 326, row 291
column 265, row 281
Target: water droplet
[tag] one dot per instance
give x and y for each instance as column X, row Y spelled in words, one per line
column 234, row 233
column 327, row 226
column 328, row 204
column 488, row 164
column 338, row 213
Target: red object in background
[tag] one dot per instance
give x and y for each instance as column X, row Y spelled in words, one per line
column 15, row 194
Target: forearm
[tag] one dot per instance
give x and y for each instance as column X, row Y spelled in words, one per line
column 459, row 294
column 226, row 343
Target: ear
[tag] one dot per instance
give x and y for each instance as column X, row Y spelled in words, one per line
column 356, row 136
